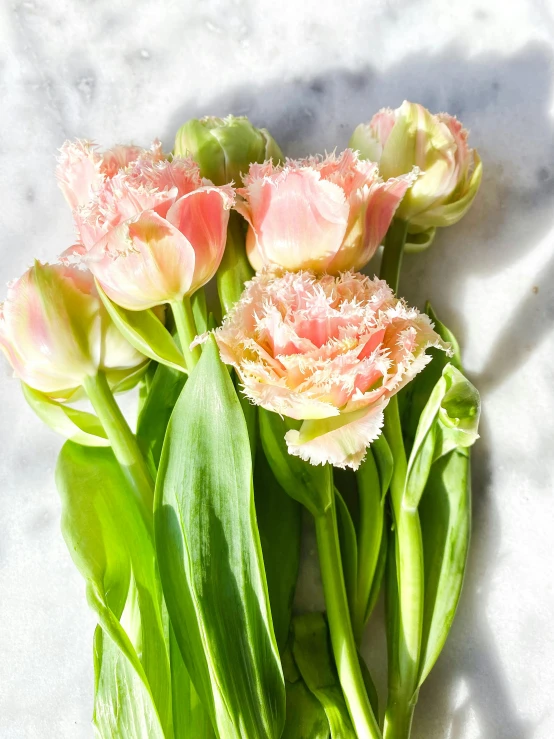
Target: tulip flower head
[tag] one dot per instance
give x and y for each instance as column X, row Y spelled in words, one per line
column 225, row 147
column 82, row 169
column 411, row 136
column 326, row 351
column 55, row 331
column 324, row 215
column 154, row 232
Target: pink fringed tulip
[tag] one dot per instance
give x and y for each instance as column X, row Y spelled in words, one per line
column 325, row 215
column 329, row 352
column 55, row 331
column 411, row 136
column 82, row 169
column 154, row 232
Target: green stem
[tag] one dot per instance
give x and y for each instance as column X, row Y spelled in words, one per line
column 235, row 268
column 370, row 534
column 393, row 252
column 122, row 440
column 403, row 670
column 186, row 328
column 338, row 615
column 406, row 623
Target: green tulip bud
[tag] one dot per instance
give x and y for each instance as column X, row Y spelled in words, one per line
column 224, row 148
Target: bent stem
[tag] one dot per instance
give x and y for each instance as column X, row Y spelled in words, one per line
column 340, row 627
column 123, row 442
column 186, row 329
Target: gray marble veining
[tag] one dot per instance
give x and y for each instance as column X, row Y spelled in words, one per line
column 124, row 71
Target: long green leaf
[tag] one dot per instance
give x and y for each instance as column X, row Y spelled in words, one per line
column 123, row 706
column 311, row 652
column 113, row 550
column 280, row 526
column 445, row 506
column 349, row 552
column 190, row 718
column 445, row 513
column 210, row 557
column 165, row 388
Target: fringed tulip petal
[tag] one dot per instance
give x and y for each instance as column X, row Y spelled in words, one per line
column 325, row 214
column 143, row 262
column 341, row 442
column 329, row 351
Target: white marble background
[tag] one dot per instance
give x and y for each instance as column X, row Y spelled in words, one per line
column 117, row 70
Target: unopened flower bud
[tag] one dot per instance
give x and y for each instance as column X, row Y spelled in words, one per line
column 55, row 331
column 450, row 172
column 225, row 147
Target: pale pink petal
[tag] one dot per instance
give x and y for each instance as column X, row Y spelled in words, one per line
column 79, row 172
column 463, row 154
column 382, row 124
column 202, row 217
column 299, row 219
column 119, row 157
column 143, row 262
column 346, row 170
column 371, row 212
column 181, row 174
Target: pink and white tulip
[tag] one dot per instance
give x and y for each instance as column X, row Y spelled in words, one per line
column 154, row 232
column 55, row 331
column 82, row 169
column 327, row 351
column 410, row 136
column 325, row 215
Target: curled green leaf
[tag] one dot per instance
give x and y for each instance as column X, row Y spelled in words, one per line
column 450, row 419
column 144, row 330
column 76, row 425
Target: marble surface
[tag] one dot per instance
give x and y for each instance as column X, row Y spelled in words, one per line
column 310, row 71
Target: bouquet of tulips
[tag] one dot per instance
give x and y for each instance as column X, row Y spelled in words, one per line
column 186, row 522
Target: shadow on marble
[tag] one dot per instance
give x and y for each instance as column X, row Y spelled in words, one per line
column 506, row 101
